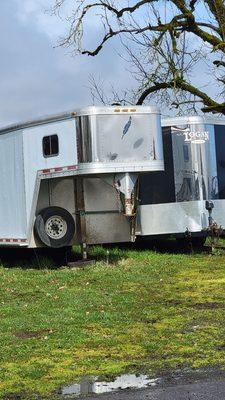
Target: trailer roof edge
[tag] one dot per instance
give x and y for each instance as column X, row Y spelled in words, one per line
column 36, row 122
column 92, row 110
column 193, row 119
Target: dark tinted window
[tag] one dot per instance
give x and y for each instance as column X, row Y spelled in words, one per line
column 50, row 146
column 220, row 159
column 186, row 152
column 186, row 191
column 159, row 187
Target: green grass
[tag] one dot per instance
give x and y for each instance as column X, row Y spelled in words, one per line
column 143, row 312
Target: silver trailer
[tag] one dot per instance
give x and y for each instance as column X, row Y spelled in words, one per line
column 173, row 202
column 72, row 178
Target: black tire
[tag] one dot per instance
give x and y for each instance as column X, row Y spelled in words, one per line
column 55, row 227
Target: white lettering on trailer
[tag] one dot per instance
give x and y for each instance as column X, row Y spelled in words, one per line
column 192, row 136
column 196, row 137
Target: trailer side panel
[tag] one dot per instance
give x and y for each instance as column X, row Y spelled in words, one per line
column 12, row 192
column 34, row 159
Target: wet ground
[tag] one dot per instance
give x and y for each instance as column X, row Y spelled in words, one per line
column 94, row 386
column 209, row 390
column 205, row 384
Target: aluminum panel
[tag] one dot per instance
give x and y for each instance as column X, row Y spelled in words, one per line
column 117, row 110
column 107, row 228
column 218, row 212
column 110, row 168
column 57, row 192
column 12, row 193
column 118, row 142
column 127, row 138
column 103, row 212
column 172, row 218
column 193, row 119
column 100, row 195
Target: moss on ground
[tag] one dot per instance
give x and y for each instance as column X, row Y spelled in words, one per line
column 145, row 311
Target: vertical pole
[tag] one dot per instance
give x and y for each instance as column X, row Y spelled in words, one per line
column 107, row 257
column 84, row 252
column 211, row 230
column 210, row 217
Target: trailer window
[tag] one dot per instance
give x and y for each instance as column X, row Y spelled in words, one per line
column 50, row 146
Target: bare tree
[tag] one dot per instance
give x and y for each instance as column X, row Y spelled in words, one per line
column 166, row 42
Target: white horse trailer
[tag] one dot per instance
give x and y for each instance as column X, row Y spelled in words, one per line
column 72, row 178
column 173, row 202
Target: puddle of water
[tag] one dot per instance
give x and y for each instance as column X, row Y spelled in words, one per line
column 124, row 382
column 94, row 386
column 72, row 389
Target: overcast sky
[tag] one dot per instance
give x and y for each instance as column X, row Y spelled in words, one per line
column 36, row 78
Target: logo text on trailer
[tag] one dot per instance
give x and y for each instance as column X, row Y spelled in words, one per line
column 193, row 136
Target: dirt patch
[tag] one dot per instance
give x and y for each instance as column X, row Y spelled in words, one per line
column 221, row 347
column 208, row 306
column 15, row 396
column 32, row 334
column 198, row 306
column 174, row 303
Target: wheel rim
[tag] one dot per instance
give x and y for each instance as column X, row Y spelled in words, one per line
column 56, row 227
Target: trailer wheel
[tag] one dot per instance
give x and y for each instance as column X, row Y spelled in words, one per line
column 55, row 227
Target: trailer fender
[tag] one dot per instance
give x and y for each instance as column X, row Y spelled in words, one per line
column 55, row 227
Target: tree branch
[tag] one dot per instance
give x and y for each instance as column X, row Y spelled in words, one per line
column 219, row 63
column 217, row 8
column 161, row 50
column 193, row 26
column 187, row 87
column 119, row 13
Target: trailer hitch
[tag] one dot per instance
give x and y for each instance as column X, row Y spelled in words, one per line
column 125, row 184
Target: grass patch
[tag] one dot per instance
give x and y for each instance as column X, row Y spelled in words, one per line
column 144, row 312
